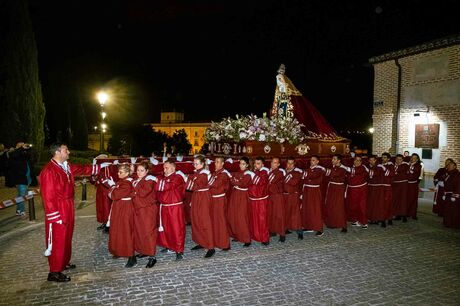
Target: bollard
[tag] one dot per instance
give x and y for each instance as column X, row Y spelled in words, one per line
column 83, row 190
column 31, row 206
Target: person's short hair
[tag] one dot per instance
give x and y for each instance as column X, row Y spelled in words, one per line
column 399, row 155
column 245, row 159
column 56, row 147
column 387, row 155
column 221, row 158
column 291, row 158
column 201, row 158
column 315, row 156
column 260, row 158
column 373, row 156
column 170, row 161
column 144, row 164
column 453, row 163
column 450, row 160
column 125, row 167
column 415, row 154
column 339, row 156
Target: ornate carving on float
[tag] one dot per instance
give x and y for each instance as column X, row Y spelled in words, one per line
column 302, row 149
column 333, row 149
column 226, row 148
column 267, row 148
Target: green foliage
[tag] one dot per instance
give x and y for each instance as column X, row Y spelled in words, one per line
column 180, row 143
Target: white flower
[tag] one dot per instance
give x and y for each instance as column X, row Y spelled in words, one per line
column 262, row 137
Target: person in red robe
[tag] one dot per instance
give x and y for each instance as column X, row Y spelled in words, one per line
column 413, row 179
column 170, row 190
column 438, row 180
column 258, row 199
column 219, row 184
column 145, row 214
column 276, row 206
column 386, row 185
column 292, row 187
column 57, row 191
column 202, row 230
column 312, row 197
column 336, row 216
column 238, row 211
column 399, row 185
column 121, row 235
column 452, row 197
column 376, row 211
column 188, row 207
column 357, row 193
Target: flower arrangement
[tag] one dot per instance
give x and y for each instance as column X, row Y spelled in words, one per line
column 280, row 129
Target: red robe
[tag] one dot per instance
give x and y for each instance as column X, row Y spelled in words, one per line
column 292, row 188
column 187, row 206
column 452, row 198
column 376, row 210
column 312, row 199
column 219, row 184
column 357, row 194
column 170, row 194
column 412, row 188
column 258, row 199
column 336, row 216
column 103, row 202
column 276, row 206
column 238, row 211
column 145, row 217
column 57, row 191
column 400, row 207
column 438, row 203
column 387, row 190
column 202, row 232
column 121, row 235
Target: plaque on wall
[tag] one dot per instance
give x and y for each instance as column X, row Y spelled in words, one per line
column 427, row 136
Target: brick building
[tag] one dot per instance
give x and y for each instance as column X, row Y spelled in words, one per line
column 417, row 102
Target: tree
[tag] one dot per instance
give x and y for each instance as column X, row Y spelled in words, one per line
column 180, row 143
column 23, row 111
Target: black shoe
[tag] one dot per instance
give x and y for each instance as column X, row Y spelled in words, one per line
column 226, row 249
column 179, row 256
column 151, row 263
column 58, row 277
column 266, row 243
column 70, row 266
column 404, row 219
column 282, row 238
column 384, row 224
column 288, row 232
column 398, row 218
column 106, row 229
column 344, row 230
column 272, row 234
column 300, row 236
column 319, row 234
column 247, row 244
column 209, row 253
column 101, row 227
column 141, row 256
column 196, row 247
column 132, row 261
column 390, row 222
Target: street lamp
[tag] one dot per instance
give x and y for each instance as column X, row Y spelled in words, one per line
column 102, row 97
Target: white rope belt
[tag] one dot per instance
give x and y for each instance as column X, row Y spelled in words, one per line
column 356, row 186
column 336, row 183
column 204, row 189
column 313, row 186
column 125, row 199
column 412, row 182
column 375, row 185
column 239, row 188
column 160, row 228
column 403, row 181
column 258, row 199
column 219, row 195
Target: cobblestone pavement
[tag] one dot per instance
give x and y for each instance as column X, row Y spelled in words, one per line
column 416, row 263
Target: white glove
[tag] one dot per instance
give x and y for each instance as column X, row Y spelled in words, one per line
column 229, row 160
column 441, row 184
column 110, row 182
column 116, row 162
column 165, row 158
column 179, row 158
column 153, row 161
column 133, row 160
column 452, row 199
column 443, row 197
column 106, row 164
column 151, row 178
column 208, row 161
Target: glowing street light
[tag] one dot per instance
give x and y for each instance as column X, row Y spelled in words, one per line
column 103, row 115
column 371, row 130
column 102, row 97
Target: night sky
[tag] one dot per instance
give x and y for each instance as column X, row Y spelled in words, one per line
column 214, row 59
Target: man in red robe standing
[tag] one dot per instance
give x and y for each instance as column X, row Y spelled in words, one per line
column 336, row 216
column 357, row 193
column 413, row 179
column 400, row 207
column 292, row 188
column 438, row 180
column 258, row 199
column 376, row 211
column 170, row 194
column 386, row 184
column 312, row 197
column 219, row 184
column 276, row 212
column 452, row 197
column 57, row 190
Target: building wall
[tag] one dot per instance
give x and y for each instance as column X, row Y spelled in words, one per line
column 195, row 132
column 430, row 87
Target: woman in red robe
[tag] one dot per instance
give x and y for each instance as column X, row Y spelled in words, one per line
column 202, row 232
column 121, row 235
column 312, row 197
column 412, row 185
column 145, row 214
column 238, row 210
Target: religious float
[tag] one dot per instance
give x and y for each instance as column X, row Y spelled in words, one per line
column 294, row 128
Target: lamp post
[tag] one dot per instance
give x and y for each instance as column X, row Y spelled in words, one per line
column 102, row 98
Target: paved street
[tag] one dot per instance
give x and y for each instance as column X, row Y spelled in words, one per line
column 417, row 263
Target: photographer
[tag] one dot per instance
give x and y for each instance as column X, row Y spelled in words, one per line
column 20, row 172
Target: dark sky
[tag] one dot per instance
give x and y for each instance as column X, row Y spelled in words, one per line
column 215, row 58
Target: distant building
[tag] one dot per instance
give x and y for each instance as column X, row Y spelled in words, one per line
column 174, row 121
column 94, row 141
column 417, row 102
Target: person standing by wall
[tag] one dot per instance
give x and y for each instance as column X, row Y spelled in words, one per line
column 20, row 172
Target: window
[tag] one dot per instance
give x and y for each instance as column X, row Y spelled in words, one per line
column 196, row 134
column 196, row 143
